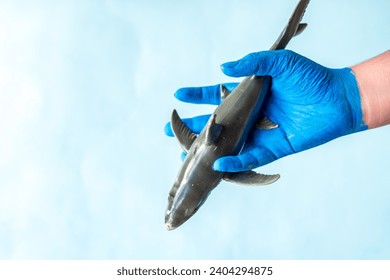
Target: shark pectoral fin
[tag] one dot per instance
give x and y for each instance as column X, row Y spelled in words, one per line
column 185, row 136
column 266, row 124
column 224, row 92
column 213, row 131
column 300, row 29
column 251, row 178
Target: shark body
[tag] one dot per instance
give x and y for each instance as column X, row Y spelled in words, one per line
column 224, row 135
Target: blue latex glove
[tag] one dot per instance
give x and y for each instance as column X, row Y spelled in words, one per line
column 311, row 104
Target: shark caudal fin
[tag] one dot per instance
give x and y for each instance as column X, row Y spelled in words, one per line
column 185, row 136
column 251, row 178
column 293, row 28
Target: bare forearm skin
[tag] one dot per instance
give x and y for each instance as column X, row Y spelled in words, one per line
column 373, row 78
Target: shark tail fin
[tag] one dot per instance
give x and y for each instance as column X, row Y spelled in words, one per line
column 293, row 27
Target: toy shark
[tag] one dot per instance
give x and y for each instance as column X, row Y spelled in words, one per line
column 224, row 135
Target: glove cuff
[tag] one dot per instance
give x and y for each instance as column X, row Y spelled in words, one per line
column 353, row 98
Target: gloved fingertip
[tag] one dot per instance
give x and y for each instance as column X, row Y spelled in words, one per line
column 189, row 95
column 179, row 94
column 224, row 164
column 230, row 64
column 229, row 69
column 168, row 129
column 218, row 166
column 183, row 156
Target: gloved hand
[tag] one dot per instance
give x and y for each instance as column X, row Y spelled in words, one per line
column 311, row 104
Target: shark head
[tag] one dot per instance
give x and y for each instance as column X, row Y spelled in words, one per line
column 185, row 204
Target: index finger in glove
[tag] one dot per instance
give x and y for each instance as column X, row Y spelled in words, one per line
column 203, row 95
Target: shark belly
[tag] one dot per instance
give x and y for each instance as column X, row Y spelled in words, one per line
column 240, row 111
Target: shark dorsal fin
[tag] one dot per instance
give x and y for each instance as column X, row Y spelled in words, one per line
column 301, row 27
column 185, row 136
column 224, row 92
column 213, row 130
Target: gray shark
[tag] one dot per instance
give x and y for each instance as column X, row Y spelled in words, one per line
column 224, row 135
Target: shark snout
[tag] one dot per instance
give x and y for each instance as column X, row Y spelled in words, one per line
column 169, row 226
column 189, row 196
column 175, row 218
column 170, row 223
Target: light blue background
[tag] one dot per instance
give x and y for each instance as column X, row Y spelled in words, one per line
column 85, row 90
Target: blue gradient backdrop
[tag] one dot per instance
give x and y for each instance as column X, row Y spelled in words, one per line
column 85, row 90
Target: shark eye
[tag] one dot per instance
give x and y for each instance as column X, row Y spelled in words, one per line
column 188, row 211
column 198, row 206
column 196, row 209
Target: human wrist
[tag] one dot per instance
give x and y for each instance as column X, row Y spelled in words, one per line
column 373, row 79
